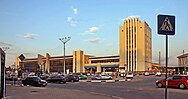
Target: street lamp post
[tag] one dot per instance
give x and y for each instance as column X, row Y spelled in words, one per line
column 64, row 40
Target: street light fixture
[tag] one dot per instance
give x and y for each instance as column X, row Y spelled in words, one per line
column 64, row 40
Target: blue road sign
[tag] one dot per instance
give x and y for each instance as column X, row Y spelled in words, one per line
column 166, row 25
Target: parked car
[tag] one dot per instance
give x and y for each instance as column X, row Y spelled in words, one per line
column 141, row 73
column 34, row 81
column 101, row 77
column 95, row 77
column 122, row 74
column 146, row 74
column 82, row 77
column 72, row 78
column 44, row 76
column 11, row 77
column 158, row 74
column 129, row 75
column 56, row 79
column 105, row 76
column 178, row 81
column 151, row 73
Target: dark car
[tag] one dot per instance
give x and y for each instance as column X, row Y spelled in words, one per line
column 44, row 76
column 178, row 81
column 72, row 78
column 56, row 79
column 34, row 81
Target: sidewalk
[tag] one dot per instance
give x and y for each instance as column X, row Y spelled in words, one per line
column 28, row 92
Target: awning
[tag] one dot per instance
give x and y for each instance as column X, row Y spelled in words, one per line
column 88, row 67
column 110, row 66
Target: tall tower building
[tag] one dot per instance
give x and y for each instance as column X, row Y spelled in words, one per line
column 135, row 46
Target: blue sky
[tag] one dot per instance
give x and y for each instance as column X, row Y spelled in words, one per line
column 34, row 26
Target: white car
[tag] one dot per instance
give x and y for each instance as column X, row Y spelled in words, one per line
column 158, row 74
column 130, row 76
column 146, row 74
column 105, row 76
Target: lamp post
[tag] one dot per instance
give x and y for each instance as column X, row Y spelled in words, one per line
column 64, row 40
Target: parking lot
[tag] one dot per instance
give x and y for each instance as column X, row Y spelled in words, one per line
column 141, row 87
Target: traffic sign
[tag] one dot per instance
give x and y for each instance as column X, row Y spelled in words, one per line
column 21, row 57
column 166, row 25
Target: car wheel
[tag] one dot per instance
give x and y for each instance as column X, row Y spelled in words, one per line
column 160, row 85
column 43, row 85
column 182, row 86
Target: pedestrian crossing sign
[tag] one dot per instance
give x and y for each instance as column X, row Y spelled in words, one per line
column 166, row 25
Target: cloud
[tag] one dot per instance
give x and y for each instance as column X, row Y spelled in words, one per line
column 129, row 17
column 75, row 10
column 71, row 21
column 5, row 44
column 93, row 40
column 30, row 36
column 92, row 30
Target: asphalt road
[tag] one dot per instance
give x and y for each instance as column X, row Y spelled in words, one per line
column 141, row 87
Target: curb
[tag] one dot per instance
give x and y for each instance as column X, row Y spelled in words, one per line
column 99, row 81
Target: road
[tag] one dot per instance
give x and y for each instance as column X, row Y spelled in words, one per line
column 141, row 87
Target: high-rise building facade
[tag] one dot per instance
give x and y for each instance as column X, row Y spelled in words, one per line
column 135, row 39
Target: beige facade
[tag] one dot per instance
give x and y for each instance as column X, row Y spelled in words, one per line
column 78, row 61
column 135, row 46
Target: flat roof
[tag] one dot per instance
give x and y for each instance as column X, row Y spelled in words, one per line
column 100, row 57
column 54, row 57
column 182, row 56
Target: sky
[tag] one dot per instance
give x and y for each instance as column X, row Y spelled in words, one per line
column 30, row 27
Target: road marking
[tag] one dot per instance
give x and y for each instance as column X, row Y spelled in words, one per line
column 117, row 97
column 96, row 81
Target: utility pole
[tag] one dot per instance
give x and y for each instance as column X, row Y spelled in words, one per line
column 64, row 40
column 184, row 62
column 159, row 58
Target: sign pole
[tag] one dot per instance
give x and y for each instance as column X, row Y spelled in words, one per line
column 166, row 83
column 166, row 26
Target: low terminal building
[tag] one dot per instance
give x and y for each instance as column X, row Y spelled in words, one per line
column 76, row 63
